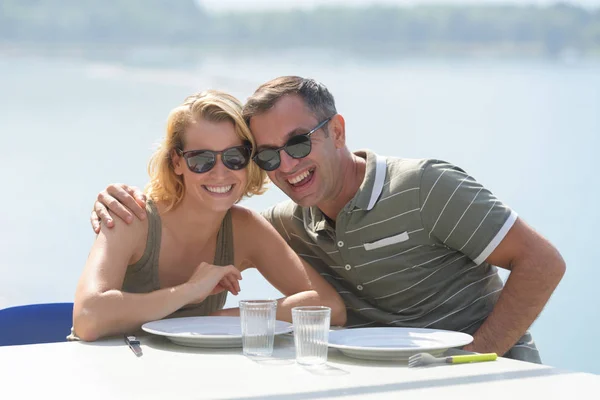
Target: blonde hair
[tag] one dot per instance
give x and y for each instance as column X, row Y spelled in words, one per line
column 211, row 105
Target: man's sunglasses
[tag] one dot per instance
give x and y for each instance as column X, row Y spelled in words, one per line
column 201, row 161
column 298, row 146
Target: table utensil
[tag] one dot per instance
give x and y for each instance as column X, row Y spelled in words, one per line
column 134, row 345
column 422, row 359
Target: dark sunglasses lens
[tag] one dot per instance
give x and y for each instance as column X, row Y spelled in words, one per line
column 298, row 146
column 236, row 158
column 200, row 162
column 267, row 159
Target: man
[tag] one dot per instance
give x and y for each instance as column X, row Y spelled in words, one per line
column 405, row 242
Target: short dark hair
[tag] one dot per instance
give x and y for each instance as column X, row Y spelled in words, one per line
column 315, row 95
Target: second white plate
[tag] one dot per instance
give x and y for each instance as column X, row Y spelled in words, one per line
column 395, row 343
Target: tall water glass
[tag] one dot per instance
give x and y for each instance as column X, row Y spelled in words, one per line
column 311, row 334
column 258, row 326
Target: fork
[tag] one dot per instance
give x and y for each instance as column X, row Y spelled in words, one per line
column 422, row 359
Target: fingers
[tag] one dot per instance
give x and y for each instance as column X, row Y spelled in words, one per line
column 236, row 284
column 225, row 284
column 139, row 201
column 114, row 205
column 103, row 215
column 230, row 283
column 216, row 278
column 230, row 269
column 230, row 279
column 95, row 221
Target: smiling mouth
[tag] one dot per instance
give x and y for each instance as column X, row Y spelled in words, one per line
column 218, row 189
column 301, row 179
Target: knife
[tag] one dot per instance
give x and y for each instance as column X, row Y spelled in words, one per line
column 134, row 345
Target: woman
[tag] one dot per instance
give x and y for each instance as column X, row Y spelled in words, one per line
column 190, row 251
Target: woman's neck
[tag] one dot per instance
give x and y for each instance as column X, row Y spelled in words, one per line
column 191, row 223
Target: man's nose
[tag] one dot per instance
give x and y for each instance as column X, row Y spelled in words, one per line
column 288, row 163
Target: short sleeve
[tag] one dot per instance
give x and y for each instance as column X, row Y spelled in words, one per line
column 461, row 213
column 268, row 214
column 280, row 216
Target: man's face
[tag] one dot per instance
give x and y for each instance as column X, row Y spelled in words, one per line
column 309, row 180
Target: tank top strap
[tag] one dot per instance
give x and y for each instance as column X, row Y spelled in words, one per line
column 224, row 254
column 144, row 272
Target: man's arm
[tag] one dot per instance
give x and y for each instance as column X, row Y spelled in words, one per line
column 466, row 216
column 122, row 200
column 263, row 248
column 536, row 269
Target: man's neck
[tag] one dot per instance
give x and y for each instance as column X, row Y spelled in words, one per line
column 352, row 173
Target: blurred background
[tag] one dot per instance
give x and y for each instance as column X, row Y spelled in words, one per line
column 510, row 91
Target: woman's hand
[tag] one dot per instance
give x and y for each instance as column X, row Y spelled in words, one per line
column 229, row 283
column 210, row 279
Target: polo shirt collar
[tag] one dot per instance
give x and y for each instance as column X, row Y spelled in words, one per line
column 367, row 195
column 365, row 198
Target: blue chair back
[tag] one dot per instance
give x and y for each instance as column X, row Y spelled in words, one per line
column 35, row 323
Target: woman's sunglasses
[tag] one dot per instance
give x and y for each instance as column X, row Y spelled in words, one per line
column 298, row 146
column 201, row 161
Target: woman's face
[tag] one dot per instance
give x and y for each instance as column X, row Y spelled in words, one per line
column 220, row 187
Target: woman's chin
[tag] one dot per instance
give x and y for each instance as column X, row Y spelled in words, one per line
column 219, row 202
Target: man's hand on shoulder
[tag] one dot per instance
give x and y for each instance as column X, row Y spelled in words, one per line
column 122, row 200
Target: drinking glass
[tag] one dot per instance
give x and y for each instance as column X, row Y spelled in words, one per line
column 311, row 334
column 258, row 326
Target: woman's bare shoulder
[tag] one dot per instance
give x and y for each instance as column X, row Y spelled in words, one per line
column 241, row 215
column 251, row 229
column 127, row 236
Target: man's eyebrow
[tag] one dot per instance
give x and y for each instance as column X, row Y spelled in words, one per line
column 288, row 136
column 295, row 132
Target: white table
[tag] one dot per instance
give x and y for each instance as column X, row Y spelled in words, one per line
column 108, row 369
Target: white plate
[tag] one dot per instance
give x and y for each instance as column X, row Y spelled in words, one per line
column 395, row 343
column 205, row 331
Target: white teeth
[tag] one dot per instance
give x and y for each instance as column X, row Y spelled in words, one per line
column 219, row 189
column 298, row 178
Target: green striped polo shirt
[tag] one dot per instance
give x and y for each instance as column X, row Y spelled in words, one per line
column 410, row 248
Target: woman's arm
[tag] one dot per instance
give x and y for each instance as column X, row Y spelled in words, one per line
column 102, row 309
column 259, row 245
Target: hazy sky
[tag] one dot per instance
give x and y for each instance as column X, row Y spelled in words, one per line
column 262, row 4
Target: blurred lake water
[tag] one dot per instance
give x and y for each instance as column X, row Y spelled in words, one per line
column 529, row 130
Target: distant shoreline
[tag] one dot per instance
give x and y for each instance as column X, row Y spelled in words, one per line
column 156, row 30
column 181, row 56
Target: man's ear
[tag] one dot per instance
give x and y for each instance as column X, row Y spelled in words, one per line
column 337, row 128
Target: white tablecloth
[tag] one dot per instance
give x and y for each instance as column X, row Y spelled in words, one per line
column 108, row 369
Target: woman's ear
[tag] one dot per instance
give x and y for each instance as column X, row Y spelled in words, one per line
column 177, row 162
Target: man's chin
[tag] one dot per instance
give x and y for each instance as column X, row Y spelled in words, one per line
column 306, row 198
column 304, row 201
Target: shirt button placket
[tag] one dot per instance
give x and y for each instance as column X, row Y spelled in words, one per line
column 341, row 225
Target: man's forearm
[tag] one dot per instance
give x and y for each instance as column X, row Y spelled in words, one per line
column 526, row 292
